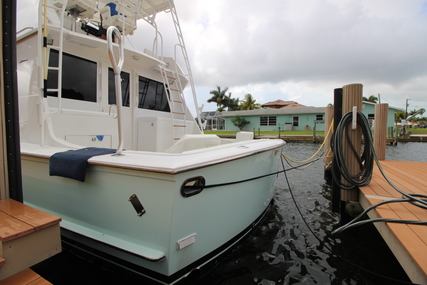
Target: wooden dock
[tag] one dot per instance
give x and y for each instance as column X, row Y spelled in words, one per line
column 407, row 242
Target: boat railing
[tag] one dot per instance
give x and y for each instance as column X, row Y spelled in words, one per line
column 155, row 50
column 114, row 33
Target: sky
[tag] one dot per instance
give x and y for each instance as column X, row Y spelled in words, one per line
column 301, row 50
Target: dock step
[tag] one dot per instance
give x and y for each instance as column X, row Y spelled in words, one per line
column 25, row 277
column 27, row 237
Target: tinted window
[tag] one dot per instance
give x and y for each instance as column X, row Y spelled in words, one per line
column 152, row 95
column 78, row 77
column 112, row 88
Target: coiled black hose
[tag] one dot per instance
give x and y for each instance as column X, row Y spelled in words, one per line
column 365, row 160
column 364, row 176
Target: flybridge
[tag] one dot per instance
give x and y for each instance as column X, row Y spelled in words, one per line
column 122, row 14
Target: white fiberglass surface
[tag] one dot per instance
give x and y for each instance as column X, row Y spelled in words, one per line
column 170, row 162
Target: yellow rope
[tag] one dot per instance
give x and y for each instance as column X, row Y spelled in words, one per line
column 321, row 146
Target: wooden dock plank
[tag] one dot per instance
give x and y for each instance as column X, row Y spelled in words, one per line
column 398, row 211
column 407, row 242
column 25, row 277
column 413, row 176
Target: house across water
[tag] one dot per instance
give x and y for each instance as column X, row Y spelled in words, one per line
column 286, row 115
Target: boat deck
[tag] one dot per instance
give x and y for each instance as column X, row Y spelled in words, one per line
column 407, row 242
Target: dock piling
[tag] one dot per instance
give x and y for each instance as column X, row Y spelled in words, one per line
column 352, row 96
column 336, row 192
column 380, row 130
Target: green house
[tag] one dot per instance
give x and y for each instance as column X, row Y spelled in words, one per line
column 293, row 117
column 270, row 119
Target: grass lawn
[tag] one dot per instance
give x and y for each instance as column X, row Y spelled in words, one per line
column 270, row 133
column 417, row 131
column 298, row 133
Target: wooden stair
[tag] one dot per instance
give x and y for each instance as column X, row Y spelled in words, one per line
column 27, row 237
column 25, row 277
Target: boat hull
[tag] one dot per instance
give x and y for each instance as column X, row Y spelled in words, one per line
column 176, row 233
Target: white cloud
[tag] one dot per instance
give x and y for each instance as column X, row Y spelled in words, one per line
column 300, row 50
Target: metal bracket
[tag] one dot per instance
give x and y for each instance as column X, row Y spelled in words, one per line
column 354, row 120
column 353, row 209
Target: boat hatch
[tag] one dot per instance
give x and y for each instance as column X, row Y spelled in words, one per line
column 192, row 186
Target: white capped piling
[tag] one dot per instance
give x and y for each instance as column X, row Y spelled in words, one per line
column 352, row 96
column 380, row 130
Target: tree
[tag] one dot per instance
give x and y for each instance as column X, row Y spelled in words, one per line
column 239, row 122
column 399, row 115
column 249, row 103
column 233, row 103
column 415, row 118
column 218, row 96
column 371, row 98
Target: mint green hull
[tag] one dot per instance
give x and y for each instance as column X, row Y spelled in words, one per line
column 99, row 208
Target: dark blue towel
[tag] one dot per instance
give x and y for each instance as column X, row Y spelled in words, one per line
column 72, row 164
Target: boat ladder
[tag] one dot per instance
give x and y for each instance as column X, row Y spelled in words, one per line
column 173, row 87
column 52, row 67
column 189, row 75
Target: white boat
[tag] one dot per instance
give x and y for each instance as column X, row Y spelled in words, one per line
column 158, row 196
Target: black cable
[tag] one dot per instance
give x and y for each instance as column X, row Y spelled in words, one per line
column 366, row 169
column 355, row 223
column 252, row 178
column 328, row 247
column 365, row 161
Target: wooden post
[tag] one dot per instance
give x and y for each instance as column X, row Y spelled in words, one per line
column 352, row 96
column 314, row 132
column 336, row 191
column 380, row 130
column 329, row 115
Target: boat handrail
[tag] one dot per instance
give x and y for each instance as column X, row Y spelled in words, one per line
column 155, row 50
column 117, row 68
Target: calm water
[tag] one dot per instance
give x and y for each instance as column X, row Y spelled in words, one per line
column 283, row 250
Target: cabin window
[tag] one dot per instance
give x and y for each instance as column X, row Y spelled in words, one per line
column 295, row 121
column 152, row 95
column 112, row 87
column 268, row 121
column 78, row 77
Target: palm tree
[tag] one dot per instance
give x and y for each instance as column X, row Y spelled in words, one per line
column 249, row 103
column 233, row 103
column 218, row 96
column 371, row 98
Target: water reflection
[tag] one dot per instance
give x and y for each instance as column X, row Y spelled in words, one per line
column 284, row 251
